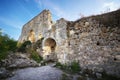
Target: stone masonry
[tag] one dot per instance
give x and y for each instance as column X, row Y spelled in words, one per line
column 92, row 41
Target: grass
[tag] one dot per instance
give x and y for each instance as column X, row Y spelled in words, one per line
column 74, row 67
column 35, row 56
column 65, row 77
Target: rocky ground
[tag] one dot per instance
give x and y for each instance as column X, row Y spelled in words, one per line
column 20, row 67
column 52, row 73
column 18, row 60
column 39, row 73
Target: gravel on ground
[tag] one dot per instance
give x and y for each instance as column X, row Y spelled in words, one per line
column 38, row 73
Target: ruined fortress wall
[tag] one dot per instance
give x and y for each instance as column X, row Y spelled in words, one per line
column 38, row 26
column 62, row 40
column 42, row 26
column 95, row 45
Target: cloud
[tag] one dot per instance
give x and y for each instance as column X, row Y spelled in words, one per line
column 111, row 6
column 10, row 23
column 55, row 9
column 40, row 3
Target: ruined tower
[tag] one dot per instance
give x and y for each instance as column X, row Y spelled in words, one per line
column 41, row 26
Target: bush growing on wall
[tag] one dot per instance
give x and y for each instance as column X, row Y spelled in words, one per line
column 23, row 46
column 35, row 56
column 38, row 44
column 74, row 67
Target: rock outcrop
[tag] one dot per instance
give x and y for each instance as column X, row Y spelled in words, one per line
column 18, row 60
column 5, row 73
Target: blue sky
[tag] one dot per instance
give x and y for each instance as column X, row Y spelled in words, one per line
column 15, row 13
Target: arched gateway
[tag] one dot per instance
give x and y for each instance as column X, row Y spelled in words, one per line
column 49, row 46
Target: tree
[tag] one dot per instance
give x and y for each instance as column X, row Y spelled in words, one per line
column 6, row 44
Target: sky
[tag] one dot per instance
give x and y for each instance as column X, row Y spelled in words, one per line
column 15, row 13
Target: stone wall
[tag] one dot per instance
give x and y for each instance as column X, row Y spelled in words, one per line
column 39, row 25
column 42, row 26
column 95, row 46
column 90, row 40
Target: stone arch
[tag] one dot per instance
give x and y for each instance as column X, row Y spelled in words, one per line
column 49, row 46
column 31, row 36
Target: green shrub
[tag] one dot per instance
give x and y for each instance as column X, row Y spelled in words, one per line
column 61, row 66
column 3, row 55
column 6, row 44
column 75, row 67
column 23, row 46
column 72, row 68
column 58, row 64
column 35, row 56
column 65, row 77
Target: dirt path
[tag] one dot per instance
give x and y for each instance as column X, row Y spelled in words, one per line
column 39, row 73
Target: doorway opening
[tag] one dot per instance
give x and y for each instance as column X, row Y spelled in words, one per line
column 49, row 45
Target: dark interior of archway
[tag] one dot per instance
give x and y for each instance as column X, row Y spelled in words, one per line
column 51, row 43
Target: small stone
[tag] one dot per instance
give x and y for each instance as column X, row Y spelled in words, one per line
column 4, row 73
column 98, row 75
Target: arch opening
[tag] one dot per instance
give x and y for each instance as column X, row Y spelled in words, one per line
column 49, row 46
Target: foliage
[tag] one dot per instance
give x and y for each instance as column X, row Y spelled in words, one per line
column 65, row 77
column 3, row 55
column 61, row 66
column 72, row 68
column 35, row 56
column 23, row 46
column 75, row 68
column 6, row 44
column 19, row 44
column 27, row 47
column 38, row 44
